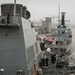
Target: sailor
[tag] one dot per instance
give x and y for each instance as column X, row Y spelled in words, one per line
column 7, row 17
column 42, row 44
column 45, row 61
column 53, row 58
column 43, row 53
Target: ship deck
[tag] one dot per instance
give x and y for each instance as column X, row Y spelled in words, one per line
column 58, row 46
column 52, row 69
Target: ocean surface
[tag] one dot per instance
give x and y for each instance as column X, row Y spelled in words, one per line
column 72, row 56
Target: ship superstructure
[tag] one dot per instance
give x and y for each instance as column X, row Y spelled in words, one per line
column 62, row 37
column 60, row 44
column 19, row 48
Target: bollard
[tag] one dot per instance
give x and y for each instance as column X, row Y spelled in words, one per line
column 1, row 71
column 39, row 71
column 20, row 72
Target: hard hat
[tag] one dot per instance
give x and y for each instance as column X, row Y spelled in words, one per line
column 48, row 50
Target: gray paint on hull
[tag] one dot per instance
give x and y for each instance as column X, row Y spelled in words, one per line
column 12, row 51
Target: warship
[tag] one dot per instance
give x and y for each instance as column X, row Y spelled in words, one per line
column 19, row 49
column 62, row 38
column 60, row 45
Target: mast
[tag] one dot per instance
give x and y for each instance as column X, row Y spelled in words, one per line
column 59, row 14
column 14, row 11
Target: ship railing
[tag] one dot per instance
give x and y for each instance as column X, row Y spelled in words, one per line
column 10, row 22
column 57, row 45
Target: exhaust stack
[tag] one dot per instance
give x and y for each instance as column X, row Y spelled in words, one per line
column 63, row 18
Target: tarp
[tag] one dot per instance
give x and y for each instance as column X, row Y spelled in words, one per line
column 50, row 39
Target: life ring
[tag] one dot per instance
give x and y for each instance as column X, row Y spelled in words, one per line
column 3, row 21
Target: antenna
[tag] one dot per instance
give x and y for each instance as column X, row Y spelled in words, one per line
column 59, row 14
column 14, row 11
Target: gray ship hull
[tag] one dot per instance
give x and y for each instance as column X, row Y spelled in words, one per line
column 19, row 48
